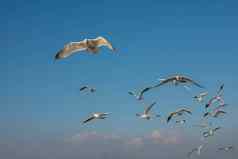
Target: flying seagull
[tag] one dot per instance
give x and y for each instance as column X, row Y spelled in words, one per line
column 180, row 121
column 215, row 114
column 217, row 97
column 139, row 95
column 210, row 132
column 178, row 112
column 226, row 148
column 91, row 89
column 146, row 114
column 197, row 150
column 89, row 45
column 96, row 116
column 178, row 79
column 200, row 96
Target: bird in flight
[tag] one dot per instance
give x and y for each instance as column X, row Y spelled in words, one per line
column 226, row 148
column 146, row 114
column 178, row 79
column 210, row 132
column 96, row 116
column 217, row 97
column 89, row 45
column 180, row 121
column 200, row 97
column 216, row 113
column 197, row 150
column 178, row 112
column 139, row 95
column 214, row 99
column 85, row 88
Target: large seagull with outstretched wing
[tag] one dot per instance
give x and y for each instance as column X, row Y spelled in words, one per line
column 89, row 45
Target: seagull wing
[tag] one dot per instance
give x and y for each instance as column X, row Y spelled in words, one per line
column 71, row 48
column 132, row 93
column 83, row 88
column 221, row 88
column 89, row 119
column 192, row 81
column 149, row 108
column 165, row 81
column 185, row 110
column 217, row 128
column 143, row 91
column 219, row 112
column 101, row 41
column 170, row 116
column 204, row 94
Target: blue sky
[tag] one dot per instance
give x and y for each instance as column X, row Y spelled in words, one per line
column 153, row 39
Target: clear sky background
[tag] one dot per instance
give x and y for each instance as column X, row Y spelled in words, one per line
column 40, row 99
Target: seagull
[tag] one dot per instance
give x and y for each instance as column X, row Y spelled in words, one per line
column 226, row 148
column 91, row 89
column 217, row 97
column 197, row 150
column 89, row 45
column 180, row 121
column 96, row 116
column 200, row 97
column 178, row 79
column 139, row 96
column 178, row 112
column 210, row 132
column 215, row 114
column 146, row 114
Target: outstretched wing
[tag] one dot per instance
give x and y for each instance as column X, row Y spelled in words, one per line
column 219, row 112
column 101, row 41
column 143, row 91
column 185, row 110
column 89, row 119
column 204, row 94
column 149, row 108
column 193, row 82
column 165, row 81
column 217, row 128
column 83, row 88
column 71, row 48
column 221, row 88
column 170, row 116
